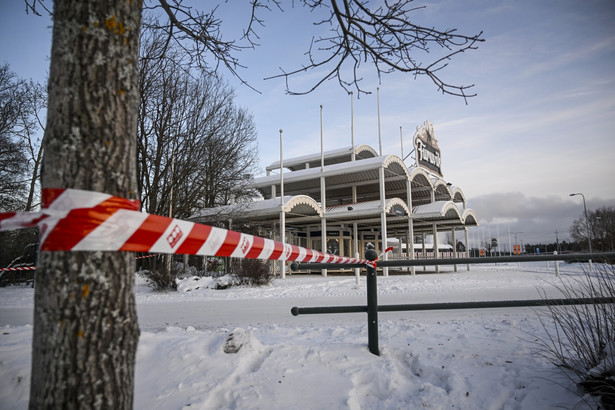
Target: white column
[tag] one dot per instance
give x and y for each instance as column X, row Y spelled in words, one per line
column 355, row 230
column 383, row 220
column 410, row 242
column 435, row 245
column 355, row 243
column 454, row 248
column 467, row 247
column 323, row 193
column 283, row 240
column 282, row 212
column 424, row 251
column 323, row 220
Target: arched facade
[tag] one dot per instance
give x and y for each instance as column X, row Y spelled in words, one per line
column 339, row 200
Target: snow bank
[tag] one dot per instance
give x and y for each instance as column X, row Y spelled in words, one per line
column 468, row 359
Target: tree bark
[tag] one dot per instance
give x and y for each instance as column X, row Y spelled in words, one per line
column 85, row 326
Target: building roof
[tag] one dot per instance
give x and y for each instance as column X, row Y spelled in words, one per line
column 331, row 157
column 364, row 174
column 340, row 178
column 368, row 209
column 434, row 202
column 445, row 214
column 298, row 208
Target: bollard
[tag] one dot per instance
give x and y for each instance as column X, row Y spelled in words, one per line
column 372, row 303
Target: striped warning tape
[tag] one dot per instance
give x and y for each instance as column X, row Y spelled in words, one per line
column 77, row 220
column 147, row 256
column 34, row 267
column 19, row 268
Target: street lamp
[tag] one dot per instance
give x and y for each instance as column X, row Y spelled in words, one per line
column 589, row 240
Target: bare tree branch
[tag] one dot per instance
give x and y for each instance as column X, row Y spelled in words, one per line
column 380, row 35
column 31, row 7
column 384, row 37
column 198, row 34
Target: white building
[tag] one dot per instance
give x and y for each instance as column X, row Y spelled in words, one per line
column 340, row 200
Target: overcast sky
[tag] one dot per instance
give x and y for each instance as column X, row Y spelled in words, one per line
column 541, row 127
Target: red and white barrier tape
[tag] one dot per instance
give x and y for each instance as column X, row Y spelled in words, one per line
column 76, row 220
column 147, row 256
column 16, row 269
column 34, row 267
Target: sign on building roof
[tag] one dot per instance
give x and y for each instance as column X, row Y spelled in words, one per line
column 427, row 151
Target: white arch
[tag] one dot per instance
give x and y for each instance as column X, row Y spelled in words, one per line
column 304, row 202
column 395, row 164
column 457, row 194
column 469, row 217
column 391, row 202
column 437, row 210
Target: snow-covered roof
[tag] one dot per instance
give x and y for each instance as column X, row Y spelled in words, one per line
column 457, row 194
column 339, row 178
column 296, row 206
column 333, row 170
column 331, row 157
column 443, row 213
column 469, row 217
column 436, row 210
column 429, row 246
column 392, row 206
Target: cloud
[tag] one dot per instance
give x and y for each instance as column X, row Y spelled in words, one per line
column 535, row 219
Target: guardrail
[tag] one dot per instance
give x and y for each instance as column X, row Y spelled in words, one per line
column 372, row 307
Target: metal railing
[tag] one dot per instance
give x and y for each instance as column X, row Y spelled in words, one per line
column 372, row 307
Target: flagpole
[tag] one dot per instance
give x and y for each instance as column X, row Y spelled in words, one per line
column 379, row 133
column 352, row 154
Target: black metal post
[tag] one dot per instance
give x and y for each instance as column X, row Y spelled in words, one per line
column 372, row 304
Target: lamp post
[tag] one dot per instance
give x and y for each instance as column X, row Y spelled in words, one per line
column 589, row 240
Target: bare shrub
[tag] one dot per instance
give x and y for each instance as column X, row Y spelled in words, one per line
column 581, row 338
column 253, row 272
column 161, row 278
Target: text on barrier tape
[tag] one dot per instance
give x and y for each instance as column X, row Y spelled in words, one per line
column 77, row 220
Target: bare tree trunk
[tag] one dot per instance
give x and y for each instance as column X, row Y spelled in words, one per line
column 33, row 179
column 85, row 325
column 37, row 101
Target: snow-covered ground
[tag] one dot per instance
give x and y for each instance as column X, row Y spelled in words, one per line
column 463, row 359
